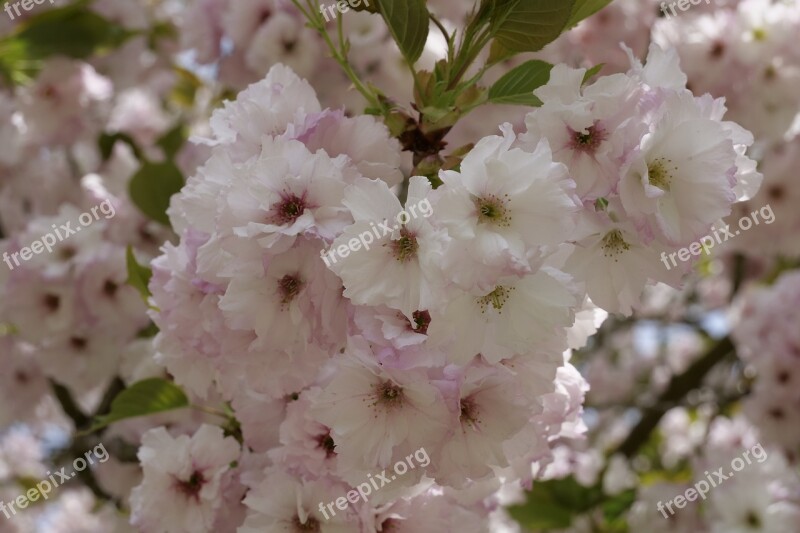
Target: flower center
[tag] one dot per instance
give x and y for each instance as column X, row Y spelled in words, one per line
column 589, row 141
column 405, row 248
column 191, row 487
column 288, row 46
column 753, row 520
column 325, row 441
column 422, row 320
column 492, row 210
column 658, row 173
column 52, row 302
column 66, row 253
column 389, row 394
column 497, row 298
column 78, row 343
column 614, row 245
column 311, row 525
column 470, row 413
column 290, row 208
column 289, row 286
column 390, row 525
column 110, row 288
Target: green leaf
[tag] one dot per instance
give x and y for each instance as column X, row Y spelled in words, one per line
column 73, row 30
column 152, row 187
column 408, row 22
column 138, row 275
column 151, row 396
column 592, row 72
column 552, row 504
column 584, row 9
column 517, row 85
column 161, row 30
column 615, row 506
column 366, row 5
column 107, row 141
column 186, row 86
column 148, row 332
column 173, row 140
column 529, row 25
column 498, row 53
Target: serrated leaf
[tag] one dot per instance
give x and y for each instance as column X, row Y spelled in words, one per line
column 409, row 22
column 152, row 187
column 498, row 53
column 517, row 85
column 146, row 397
column 138, row 275
column 584, row 9
column 531, row 24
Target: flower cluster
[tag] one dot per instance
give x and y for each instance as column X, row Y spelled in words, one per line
column 450, row 334
column 446, row 335
column 305, row 333
column 655, row 167
column 766, row 338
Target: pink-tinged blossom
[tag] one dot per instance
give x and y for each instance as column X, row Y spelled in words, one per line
column 502, row 208
column 388, row 328
column 376, row 414
column 431, row 512
column 590, row 129
column 683, row 182
column 509, row 318
column 612, row 261
column 68, row 101
column 184, row 480
column 187, row 351
column 279, row 305
column 201, row 29
column 306, row 448
column 282, row 502
column 366, row 142
column 767, row 339
column 284, row 39
column 264, row 108
column 491, row 408
column 22, row 383
column 286, row 192
column 558, row 395
column 398, row 269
